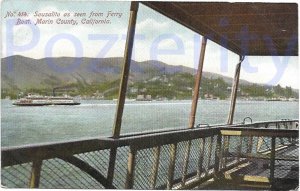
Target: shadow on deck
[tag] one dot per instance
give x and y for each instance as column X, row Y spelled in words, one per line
column 253, row 173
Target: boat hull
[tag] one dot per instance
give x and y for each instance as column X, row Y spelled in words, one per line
column 65, row 104
column 44, row 104
column 31, row 104
column 36, row 100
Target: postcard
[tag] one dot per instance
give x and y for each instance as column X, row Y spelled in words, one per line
column 149, row 95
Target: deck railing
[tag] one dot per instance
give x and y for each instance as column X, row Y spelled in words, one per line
column 159, row 160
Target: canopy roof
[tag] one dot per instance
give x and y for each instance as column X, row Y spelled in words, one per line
column 244, row 28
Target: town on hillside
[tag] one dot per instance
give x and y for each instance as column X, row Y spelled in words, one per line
column 178, row 86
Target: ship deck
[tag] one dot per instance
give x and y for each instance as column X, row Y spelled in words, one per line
column 255, row 172
column 261, row 155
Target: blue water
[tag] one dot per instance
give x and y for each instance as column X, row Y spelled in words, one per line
column 27, row 125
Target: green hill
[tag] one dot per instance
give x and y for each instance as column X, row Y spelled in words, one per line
column 99, row 77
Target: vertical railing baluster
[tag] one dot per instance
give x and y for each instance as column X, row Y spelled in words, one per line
column 155, row 167
column 240, row 149
column 173, row 148
column 249, row 146
column 209, row 154
column 260, row 141
column 35, row 174
column 272, row 159
column 111, row 166
column 226, row 149
column 186, row 162
column 218, row 155
column 130, row 168
column 201, row 156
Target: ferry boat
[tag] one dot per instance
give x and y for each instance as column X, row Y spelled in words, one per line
column 37, row 100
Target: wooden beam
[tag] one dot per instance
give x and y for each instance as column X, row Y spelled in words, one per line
column 197, row 84
column 123, row 85
column 173, row 149
column 201, row 157
column 259, row 132
column 111, row 166
column 35, row 174
column 194, row 105
column 125, row 73
column 231, row 133
column 260, row 179
column 84, row 166
column 155, row 167
column 235, row 85
column 272, row 159
column 218, row 156
column 186, row 162
column 176, row 13
column 130, row 169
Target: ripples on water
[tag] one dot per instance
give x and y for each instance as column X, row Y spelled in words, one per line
column 27, row 125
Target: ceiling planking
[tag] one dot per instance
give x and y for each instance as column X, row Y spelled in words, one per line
column 246, row 28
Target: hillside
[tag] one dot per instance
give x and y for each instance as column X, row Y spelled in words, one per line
column 90, row 76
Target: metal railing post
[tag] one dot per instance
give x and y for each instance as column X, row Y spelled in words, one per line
column 123, row 86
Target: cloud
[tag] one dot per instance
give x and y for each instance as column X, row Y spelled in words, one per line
column 150, row 25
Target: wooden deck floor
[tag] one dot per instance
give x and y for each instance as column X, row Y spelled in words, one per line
column 254, row 174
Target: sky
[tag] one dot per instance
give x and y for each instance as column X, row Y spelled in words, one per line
column 157, row 38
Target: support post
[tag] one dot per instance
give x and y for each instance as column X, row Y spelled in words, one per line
column 123, row 86
column 194, row 106
column 125, row 73
column 111, row 166
column 35, row 174
column 234, row 90
column 197, row 84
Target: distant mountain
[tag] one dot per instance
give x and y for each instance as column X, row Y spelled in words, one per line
column 18, row 72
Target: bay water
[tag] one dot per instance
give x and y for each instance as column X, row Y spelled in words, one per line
column 94, row 118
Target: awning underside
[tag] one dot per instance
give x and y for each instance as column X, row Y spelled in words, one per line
column 245, row 28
